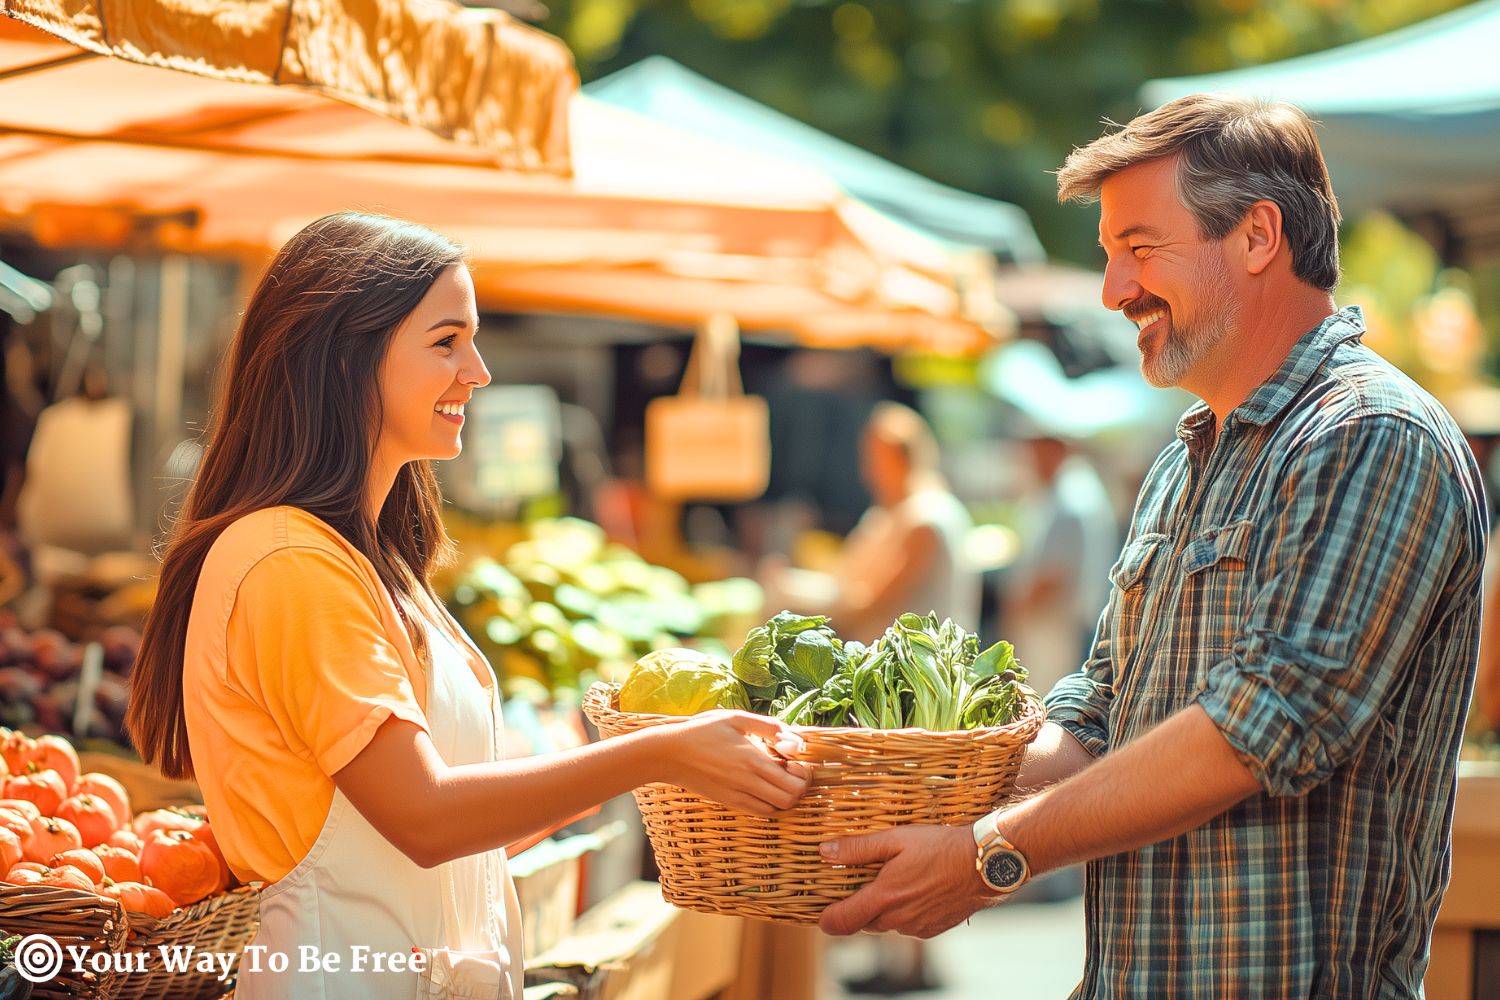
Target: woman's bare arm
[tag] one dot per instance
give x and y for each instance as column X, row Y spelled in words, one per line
column 433, row 813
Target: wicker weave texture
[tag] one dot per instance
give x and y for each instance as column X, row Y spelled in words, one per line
column 223, row 923
column 71, row 917
column 721, row 861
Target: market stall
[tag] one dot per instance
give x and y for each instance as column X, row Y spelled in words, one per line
column 480, row 78
column 666, row 91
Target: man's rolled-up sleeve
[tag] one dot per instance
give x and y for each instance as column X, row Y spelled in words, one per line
column 1080, row 702
column 1345, row 581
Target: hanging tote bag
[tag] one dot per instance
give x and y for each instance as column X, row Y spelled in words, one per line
column 710, row 441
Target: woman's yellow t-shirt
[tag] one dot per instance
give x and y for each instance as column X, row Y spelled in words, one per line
column 295, row 656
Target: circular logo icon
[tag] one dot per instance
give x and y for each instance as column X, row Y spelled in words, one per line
column 38, row 958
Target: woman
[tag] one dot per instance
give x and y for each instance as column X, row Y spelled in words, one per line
column 344, row 731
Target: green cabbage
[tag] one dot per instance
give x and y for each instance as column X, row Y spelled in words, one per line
column 681, row 682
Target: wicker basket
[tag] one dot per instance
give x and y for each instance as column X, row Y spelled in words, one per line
column 223, row 923
column 721, row 861
column 70, row 917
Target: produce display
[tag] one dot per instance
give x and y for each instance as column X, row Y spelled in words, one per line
column 921, row 673
column 42, row 678
column 62, row 828
column 560, row 606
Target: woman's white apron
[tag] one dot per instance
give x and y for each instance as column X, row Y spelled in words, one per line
column 355, row 900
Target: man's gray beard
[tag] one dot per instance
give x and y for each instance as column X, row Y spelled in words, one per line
column 1184, row 346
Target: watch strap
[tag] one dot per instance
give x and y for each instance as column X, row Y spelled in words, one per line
column 986, row 831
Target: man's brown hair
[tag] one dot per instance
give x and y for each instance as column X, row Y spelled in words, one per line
column 1233, row 152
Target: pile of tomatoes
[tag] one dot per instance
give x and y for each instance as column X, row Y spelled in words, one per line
column 61, row 828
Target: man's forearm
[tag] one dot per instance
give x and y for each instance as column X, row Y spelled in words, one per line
column 1054, row 755
column 1174, row 778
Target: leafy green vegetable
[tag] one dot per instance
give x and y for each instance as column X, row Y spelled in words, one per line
column 921, row 673
column 794, row 655
column 999, row 657
column 799, row 711
column 788, row 623
column 752, row 662
column 813, row 659
column 681, row 682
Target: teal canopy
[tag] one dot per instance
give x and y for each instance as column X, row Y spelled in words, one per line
column 1410, row 120
column 670, row 92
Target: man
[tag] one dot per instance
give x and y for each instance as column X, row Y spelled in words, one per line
column 1258, row 757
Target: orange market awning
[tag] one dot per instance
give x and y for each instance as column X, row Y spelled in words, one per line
column 478, row 77
column 653, row 223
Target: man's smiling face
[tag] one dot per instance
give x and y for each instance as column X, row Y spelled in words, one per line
column 1167, row 279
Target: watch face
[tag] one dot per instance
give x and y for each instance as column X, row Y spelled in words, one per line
column 1003, row 869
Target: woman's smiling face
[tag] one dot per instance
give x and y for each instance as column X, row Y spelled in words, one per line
column 430, row 370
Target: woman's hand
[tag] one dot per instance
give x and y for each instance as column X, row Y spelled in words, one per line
column 728, row 756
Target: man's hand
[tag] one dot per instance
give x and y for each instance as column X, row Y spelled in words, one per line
column 927, row 885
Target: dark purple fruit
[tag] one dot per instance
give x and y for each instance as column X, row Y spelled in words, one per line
column 18, row 684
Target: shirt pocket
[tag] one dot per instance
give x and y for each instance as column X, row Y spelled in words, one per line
column 1130, row 589
column 1130, row 574
column 1215, row 578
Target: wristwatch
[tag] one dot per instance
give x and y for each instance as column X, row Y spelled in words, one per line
column 1001, row 865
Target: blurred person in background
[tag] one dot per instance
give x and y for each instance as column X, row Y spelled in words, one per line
column 907, row 551
column 1055, row 589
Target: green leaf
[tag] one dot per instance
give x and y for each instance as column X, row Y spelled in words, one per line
column 998, row 658
column 799, row 711
column 752, row 661
column 812, row 659
column 789, row 623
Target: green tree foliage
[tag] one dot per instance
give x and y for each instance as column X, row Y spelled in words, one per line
column 986, row 95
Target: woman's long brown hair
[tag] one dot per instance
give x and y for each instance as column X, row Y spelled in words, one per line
column 295, row 423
